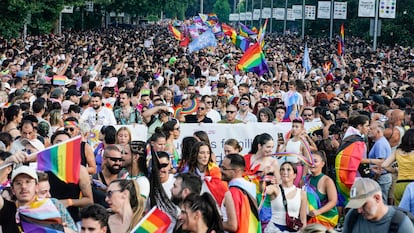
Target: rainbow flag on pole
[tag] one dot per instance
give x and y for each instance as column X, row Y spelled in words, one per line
column 155, row 221
column 62, row 159
column 341, row 43
column 253, row 60
column 176, row 33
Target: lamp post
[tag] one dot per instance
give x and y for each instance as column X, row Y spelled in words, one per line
column 374, row 46
column 285, row 18
column 303, row 20
column 201, row 6
column 331, row 21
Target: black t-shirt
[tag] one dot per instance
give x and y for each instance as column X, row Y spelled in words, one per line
column 193, row 119
column 8, row 217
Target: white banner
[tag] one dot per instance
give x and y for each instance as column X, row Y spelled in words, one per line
column 242, row 16
column 243, row 133
column 266, row 13
column 217, row 133
column 310, row 12
column 340, row 10
column 324, row 10
column 387, row 9
column 249, row 15
column 256, row 14
column 297, row 11
column 279, row 13
column 366, row 8
column 67, row 9
column 234, row 17
column 290, row 15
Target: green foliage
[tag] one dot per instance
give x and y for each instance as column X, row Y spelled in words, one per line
column 13, row 14
column 222, row 9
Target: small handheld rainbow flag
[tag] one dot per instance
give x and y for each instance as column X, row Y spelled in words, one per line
column 155, row 221
column 62, row 159
column 59, row 80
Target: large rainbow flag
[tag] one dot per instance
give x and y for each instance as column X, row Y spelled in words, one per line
column 155, row 221
column 62, row 159
column 246, row 211
column 329, row 218
column 253, row 60
column 347, row 162
column 59, row 80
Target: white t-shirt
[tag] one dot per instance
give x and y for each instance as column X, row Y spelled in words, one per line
column 168, row 185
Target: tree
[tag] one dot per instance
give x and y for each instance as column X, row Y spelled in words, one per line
column 14, row 14
column 222, row 9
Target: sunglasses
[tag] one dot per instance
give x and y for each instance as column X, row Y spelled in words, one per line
column 115, row 159
column 164, row 165
column 230, row 112
column 244, row 104
column 209, row 102
column 69, row 129
column 201, row 108
column 111, row 192
column 307, row 115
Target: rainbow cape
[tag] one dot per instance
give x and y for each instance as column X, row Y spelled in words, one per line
column 253, row 60
column 175, row 32
column 246, row 211
column 40, row 216
column 59, row 80
column 62, row 159
column 328, row 219
column 155, row 221
column 347, row 161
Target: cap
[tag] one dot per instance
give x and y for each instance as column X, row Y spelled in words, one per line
column 21, row 74
column 72, row 92
column 30, row 171
column 38, row 145
column 378, row 99
column 361, row 190
column 56, row 93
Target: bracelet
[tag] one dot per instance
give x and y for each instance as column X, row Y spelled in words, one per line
column 70, row 202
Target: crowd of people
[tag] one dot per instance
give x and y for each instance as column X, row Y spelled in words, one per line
column 348, row 175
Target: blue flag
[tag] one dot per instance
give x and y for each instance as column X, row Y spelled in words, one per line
column 306, row 61
column 204, row 40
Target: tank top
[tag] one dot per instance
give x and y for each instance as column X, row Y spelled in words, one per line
column 61, row 190
column 314, row 180
column 293, row 147
column 278, row 210
column 405, row 165
column 83, row 154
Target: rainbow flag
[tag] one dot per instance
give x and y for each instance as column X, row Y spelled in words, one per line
column 62, row 159
column 228, row 30
column 246, row 212
column 245, row 31
column 176, row 33
column 155, row 221
column 253, row 60
column 347, row 162
column 241, row 42
column 341, row 43
column 190, row 109
column 59, row 80
column 261, row 35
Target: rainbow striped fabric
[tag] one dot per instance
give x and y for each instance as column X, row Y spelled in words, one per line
column 155, row 221
column 347, row 162
column 253, row 60
column 176, row 33
column 59, row 80
column 62, row 159
column 341, row 43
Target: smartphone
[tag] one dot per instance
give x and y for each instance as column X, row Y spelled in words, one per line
column 280, row 137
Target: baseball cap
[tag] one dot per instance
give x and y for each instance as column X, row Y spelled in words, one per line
column 72, row 92
column 361, row 190
column 30, row 171
column 36, row 143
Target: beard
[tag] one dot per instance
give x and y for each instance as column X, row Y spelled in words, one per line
column 177, row 199
column 96, row 107
column 114, row 170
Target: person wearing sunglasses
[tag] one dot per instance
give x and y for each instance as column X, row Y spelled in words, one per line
column 124, row 199
column 201, row 115
column 230, row 118
column 244, row 114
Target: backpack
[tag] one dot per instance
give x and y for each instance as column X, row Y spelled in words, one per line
column 396, row 219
